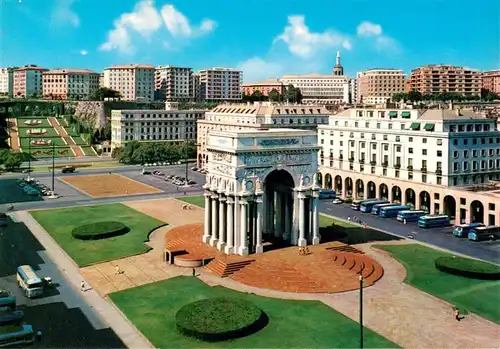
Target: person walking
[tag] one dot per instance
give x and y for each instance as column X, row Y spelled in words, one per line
column 117, row 270
column 194, row 272
column 349, row 218
column 83, row 286
column 457, row 315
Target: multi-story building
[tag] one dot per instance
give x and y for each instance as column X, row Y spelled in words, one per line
column 353, row 90
column 101, row 80
column 169, row 125
column 28, row 81
column 264, row 87
column 491, row 81
column 174, row 84
column 69, row 83
column 6, row 81
column 196, row 87
column 257, row 116
column 435, row 79
column 135, row 82
column 320, row 89
column 220, row 84
column 420, row 157
column 377, row 86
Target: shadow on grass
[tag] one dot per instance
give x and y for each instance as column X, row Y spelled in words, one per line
column 353, row 235
column 10, row 192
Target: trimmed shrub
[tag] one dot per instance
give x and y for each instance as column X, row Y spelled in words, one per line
column 99, row 230
column 220, row 319
column 469, row 268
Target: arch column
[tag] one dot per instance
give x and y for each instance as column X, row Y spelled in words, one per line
column 278, row 214
column 213, row 239
column 377, row 191
column 243, row 250
column 288, row 218
column 315, row 218
column 258, row 243
column 222, row 224
column 302, row 222
column 230, row 225
column 417, row 201
column 208, row 209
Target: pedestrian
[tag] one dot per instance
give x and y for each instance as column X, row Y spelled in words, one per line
column 404, row 220
column 457, row 315
column 117, row 270
column 194, row 272
column 39, row 335
column 83, row 286
column 365, row 226
column 349, row 218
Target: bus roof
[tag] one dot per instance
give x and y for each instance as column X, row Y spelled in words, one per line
column 484, row 228
column 411, row 211
column 397, row 207
column 14, row 330
column 375, row 201
column 7, row 300
column 476, row 224
column 28, row 274
column 435, row 216
column 386, row 205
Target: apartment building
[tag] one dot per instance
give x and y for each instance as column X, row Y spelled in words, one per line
column 320, row 89
column 435, row 79
column 377, row 86
column 264, row 87
column 220, row 84
column 6, row 81
column 196, row 87
column 174, row 83
column 169, row 125
column 491, row 81
column 425, row 158
column 69, row 83
column 101, row 80
column 135, row 82
column 353, row 90
column 257, row 116
column 28, row 81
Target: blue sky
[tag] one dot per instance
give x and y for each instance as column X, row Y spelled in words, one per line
column 264, row 38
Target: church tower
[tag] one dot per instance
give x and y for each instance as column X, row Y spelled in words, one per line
column 338, row 69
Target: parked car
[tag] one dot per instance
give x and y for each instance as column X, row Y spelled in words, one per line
column 191, row 182
column 68, row 169
column 337, row 201
column 194, row 168
column 145, row 172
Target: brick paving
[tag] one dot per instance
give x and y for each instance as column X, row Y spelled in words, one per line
column 76, row 149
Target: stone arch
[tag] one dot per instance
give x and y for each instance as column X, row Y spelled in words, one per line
column 372, row 190
column 384, row 191
column 449, row 206
column 476, row 211
column 425, row 201
column 360, row 189
column 410, row 198
column 319, row 179
column 337, row 184
column 349, row 187
column 396, row 194
column 328, row 181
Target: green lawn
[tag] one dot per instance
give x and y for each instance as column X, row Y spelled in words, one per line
column 292, row 324
column 58, row 141
column 21, row 125
column 47, row 152
column 79, row 140
column 59, row 223
column 481, row 297
column 194, row 200
column 88, row 150
column 51, row 132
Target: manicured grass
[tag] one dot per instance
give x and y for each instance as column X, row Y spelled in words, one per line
column 58, row 141
column 79, row 141
column 51, row 132
column 60, row 222
column 47, row 152
column 88, row 151
column 194, row 200
column 45, row 123
column 292, row 324
column 481, row 297
column 11, row 193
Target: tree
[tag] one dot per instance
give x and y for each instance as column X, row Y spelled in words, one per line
column 13, row 161
column 103, row 92
column 274, row 95
column 117, row 153
column 293, row 94
column 414, row 96
column 400, row 96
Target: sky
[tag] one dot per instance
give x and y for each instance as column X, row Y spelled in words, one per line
column 263, row 38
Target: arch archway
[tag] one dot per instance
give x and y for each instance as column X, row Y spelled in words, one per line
column 349, row 186
column 328, row 181
column 410, row 198
column 338, row 184
column 360, row 189
column 449, row 206
column 425, row 201
column 396, row 194
column 476, row 212
column 384, row 191
column 319, row 179
column 372, row 192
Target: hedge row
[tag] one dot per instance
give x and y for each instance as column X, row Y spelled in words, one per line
column 220, row 319
column 99, row 230
column 469, row 268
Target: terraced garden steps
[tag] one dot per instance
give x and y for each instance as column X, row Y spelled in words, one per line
column 345, row 248
column 225, row 268
column 77, row 150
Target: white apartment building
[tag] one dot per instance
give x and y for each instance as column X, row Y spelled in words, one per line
column 353, row 90
column 220, row 84
column 69, row 83
column 377, row 86
column 174, row 83
column 133, row 81
column 28, row 81
column 170, row 125
column 426, row 158
column 257, row 116
column 320, row 89
column 6, row 81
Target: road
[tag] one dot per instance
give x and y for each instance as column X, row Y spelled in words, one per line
column 60, row 161
column 440, row 237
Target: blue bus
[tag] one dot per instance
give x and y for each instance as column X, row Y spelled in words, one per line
column 463, row 230
column 410, row 215
column 356, row 204
column 327, row 194
column 16, row 336
column 392, row 211
column 367, row 206
column 433, row 221
column 376, row 208
column 484, row 233
column 13, row 318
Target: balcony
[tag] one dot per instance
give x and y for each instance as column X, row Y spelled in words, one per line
column 409, row 168
column 423, row 169
column 373, row 163
column 362, row 161
column 341, row 157
column 397, row 166
column 351, row 159
column 439, row 171
column 385, row 163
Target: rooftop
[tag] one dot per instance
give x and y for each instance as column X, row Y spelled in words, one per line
column 131, row 66
column 271, row 82
column 69, row 71
column 268, row 108
column 314, row 76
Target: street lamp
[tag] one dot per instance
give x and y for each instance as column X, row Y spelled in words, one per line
column 29, row 154
column 53, row 166
column 361, row 311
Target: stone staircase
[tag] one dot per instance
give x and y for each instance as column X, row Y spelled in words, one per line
column 361, row 265
column 345, row 248
column 225, row 268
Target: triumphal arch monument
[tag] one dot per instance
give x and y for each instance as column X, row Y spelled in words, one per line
column 261, row 183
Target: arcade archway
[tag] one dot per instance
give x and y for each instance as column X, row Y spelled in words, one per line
column 338, row 184
column 349, row 186
column 449, row 206
column 384, row 191
column 360, row 189
column 425, row 201
column 319, row 179
column 328, row 181
column 410, row 198
column 476, row 211
column 372, row 192
column 396, row 194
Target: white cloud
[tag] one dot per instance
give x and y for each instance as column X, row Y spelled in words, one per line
column 84, row 52
column 374, row 31
column 305, row 44
column 63, row 13
column 256, row 68
column 368, row 29
column 147, row 20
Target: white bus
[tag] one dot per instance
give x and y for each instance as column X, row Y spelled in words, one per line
column 29, row 281
column 16, row 336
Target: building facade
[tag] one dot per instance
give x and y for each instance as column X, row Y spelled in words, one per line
column 135, row 82
column 264, row 87
column 101, row 80
column 28, row 81
column 435, row 79
column 256, row 116
column 7, row 81
column 174, row 84
column 426, row 158
column 69, row 83
column 491, row 81
column 220, row 84
column 353, row 90
column 377, row 86
column 153, row 125
column 320, row 89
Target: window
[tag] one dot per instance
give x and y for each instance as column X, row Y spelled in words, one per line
column 410, row 176
column 378, row 124
column 455, row 167
column 410, row 139
column 424, row 178
column 439, row 180
column 410, row 150
column 463, row 201
column 424, row 140
column 374, row 146
column 465, row 165
column 424, row 151
column 455, row 142
column 466, row 141
column 390, row 126
column 439, row 141
column 439, row 153
column 385, row 137
column 386, row 147
column 466, row 153
column 491, row 207
column 398, row 149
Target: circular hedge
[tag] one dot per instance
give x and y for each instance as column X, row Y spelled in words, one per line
column 219, row 319
column 99, row 230
column 467, row 267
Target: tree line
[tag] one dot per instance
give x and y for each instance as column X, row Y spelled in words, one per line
column 290, row 94
column 416, row 96
column 11, row 160
column 135, row 152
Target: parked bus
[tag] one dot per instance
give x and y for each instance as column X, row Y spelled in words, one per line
column 356, row 204
column 327, row 194
column 410, row 215
column 376, row 208
column 11, row 336
column 484, row 233
column 14, row 318
column 463, row 230
column 392, row 211
column 7, row 304
column 433, row 221
column 29, row 281
column 368, row 206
